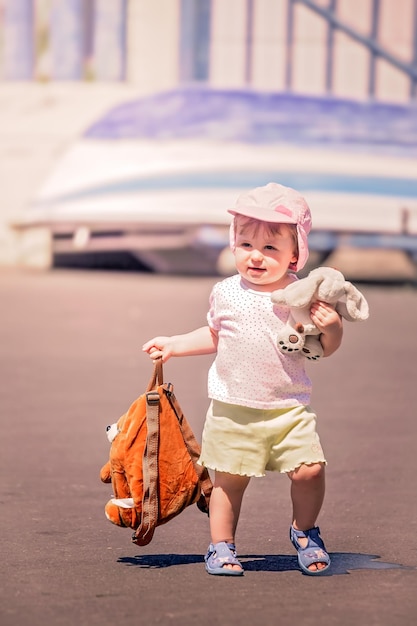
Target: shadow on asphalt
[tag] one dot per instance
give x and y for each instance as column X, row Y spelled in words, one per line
column 342, row 562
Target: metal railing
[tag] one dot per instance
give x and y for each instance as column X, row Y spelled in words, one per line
column 370, row 42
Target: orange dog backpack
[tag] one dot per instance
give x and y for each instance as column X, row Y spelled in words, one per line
column 153, row 463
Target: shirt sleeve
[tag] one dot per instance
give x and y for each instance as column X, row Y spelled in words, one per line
column 212, row 318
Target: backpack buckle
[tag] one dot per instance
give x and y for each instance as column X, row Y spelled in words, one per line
column 152, row 398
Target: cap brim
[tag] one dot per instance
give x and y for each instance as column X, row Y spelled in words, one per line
column 264, row 215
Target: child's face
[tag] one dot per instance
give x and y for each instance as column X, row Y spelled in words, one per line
column 262, row 258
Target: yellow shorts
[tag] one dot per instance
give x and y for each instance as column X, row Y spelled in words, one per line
column 248, row 442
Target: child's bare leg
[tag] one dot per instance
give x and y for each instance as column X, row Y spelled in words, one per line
column 225, row 503
column 307, row 494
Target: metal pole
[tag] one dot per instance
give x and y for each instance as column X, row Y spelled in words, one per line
column 67, row 39
column 110, row 39
column 289, row 45
column 19, row 40
column 249, row 42
column 413, row 80
column 330, row 49
column 373, row 57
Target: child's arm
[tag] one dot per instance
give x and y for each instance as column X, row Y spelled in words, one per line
column 329, row 323
column 200, row 341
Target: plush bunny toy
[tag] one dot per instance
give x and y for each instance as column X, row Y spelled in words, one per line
column 323, row 283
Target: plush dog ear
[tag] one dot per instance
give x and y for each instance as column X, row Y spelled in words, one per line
column 354, row 306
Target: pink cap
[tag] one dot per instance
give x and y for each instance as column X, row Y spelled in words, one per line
column 278, row 204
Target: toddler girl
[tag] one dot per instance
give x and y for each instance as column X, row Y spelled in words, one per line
column 259, row 417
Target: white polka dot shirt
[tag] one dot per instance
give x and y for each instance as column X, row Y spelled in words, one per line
column 249, row 370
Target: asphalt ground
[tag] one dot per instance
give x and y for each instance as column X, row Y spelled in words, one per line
column 71, row 363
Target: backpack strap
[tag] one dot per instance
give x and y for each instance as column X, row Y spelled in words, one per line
column 157, row 377
column 150, row 504
column 193, row 450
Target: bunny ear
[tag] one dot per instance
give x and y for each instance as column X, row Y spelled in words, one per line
column 356, row 307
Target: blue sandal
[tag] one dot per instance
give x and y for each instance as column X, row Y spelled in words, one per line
column 314, row 552
column 221, row 554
